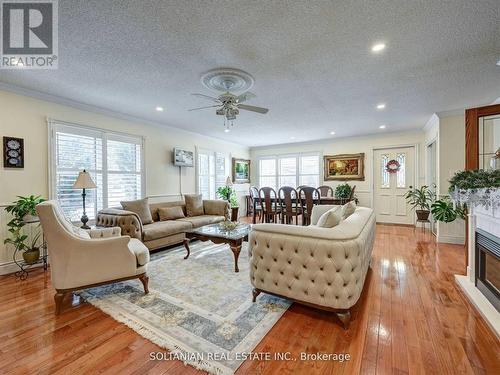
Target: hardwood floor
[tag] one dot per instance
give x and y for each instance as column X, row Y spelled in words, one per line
column 411, row 318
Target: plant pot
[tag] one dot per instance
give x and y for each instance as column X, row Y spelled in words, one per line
column 31, row 256
column 234, row 213
column 422, row 215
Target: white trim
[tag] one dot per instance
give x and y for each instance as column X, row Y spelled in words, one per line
column 458, row 240
column 8, row 268
column 101, row 111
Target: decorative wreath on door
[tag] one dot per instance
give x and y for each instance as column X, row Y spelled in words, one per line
column 392, row 166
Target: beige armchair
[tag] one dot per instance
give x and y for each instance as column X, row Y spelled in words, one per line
column 81, row 259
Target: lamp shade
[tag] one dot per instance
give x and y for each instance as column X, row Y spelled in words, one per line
column 84, row 181
column 228, row 181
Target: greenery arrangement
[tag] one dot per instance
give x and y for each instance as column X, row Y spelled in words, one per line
column 446, row 210
column 343, row 191
column 229, row 194
column 475, row 179
column 21, row 208
column 420, row 198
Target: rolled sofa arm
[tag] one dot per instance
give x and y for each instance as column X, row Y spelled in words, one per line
column 216, row 207
column 128, row 221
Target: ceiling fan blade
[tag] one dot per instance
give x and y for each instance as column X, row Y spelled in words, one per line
column 253, row 108
column 209, row 106
column 246, row 96
column 207, row 97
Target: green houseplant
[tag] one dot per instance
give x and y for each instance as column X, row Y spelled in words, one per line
column 23, row 211
column 343, row 191
column 229, row 194
column 421, row 199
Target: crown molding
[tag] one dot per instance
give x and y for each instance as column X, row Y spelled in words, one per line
column 101, row 111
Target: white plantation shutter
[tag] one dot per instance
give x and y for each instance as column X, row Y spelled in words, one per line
column 114, row 162
column 212, row 172
column 289, row 170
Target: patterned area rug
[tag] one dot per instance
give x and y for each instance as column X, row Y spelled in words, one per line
column 198, row 308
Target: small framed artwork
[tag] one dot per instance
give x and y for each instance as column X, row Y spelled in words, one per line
column 13, row 152
column 344, row 167
column 183, row 158
column 241, row 171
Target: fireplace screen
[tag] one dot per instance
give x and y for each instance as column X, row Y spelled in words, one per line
column 488, row 266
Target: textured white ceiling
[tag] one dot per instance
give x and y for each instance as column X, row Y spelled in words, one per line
column 311, row 60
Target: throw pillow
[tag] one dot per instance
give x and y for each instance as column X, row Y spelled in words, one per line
column 170, row 213
column 330, row 218
column 348, row 209
column 139, row 207
column 194, row 205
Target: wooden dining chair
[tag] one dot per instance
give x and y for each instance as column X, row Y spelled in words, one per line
column 351, row 196
column 289, row 203
column 309, row 196
column 270, row 206
column 326, row 191
column 256, row 204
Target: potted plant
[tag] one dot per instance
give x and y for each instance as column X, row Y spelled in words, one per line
column 446, row 211
column 343, row 191
column 227, row 193
column 23, row 212
column 421, row 199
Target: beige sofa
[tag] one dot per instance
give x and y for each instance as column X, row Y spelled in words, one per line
column 321, row 267
column 159, row 234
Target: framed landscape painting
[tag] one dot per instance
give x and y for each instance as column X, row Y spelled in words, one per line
column 344, row 167
column 241, row 171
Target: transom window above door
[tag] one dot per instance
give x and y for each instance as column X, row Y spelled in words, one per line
column 289, row 170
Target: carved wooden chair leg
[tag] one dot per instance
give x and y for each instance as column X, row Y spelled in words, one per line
column 145, row 281
column 58, row 299
column 345, row 318
column 255, row 293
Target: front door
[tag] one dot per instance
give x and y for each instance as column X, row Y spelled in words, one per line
column 391, row 186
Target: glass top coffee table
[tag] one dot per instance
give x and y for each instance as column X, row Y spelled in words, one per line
column 213, row 232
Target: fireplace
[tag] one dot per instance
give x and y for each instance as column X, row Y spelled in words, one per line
column 488, row 266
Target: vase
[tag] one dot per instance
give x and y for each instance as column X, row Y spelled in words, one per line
column 31, row 256
column 422, row 215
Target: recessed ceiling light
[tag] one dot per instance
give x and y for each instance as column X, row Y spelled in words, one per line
column 159, row 109
column 292, row 137
column 381, row 127
column 332, row 133
column 378, row 47
column 498, row 63
column 226, row 130
column 381, row 106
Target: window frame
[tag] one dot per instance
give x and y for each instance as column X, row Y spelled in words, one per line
column 298, row 168
column 214, row 154
column 54, row 126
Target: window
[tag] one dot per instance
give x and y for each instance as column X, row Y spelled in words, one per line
column 401, row 174
column 212, row 172
column 113, row 160
column 289, row 170
column 384, row 180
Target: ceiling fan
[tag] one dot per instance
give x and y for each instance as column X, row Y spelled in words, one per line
column 229, row 105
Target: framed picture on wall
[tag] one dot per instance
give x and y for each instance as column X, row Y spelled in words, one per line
column 13, row 152
column 241, row 171
column 344, row 167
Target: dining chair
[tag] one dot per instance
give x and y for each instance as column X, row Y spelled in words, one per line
column 256, row 204
column 326, row 191
column 289, row 203
column 309, row 197
column 270, row 207
column 351, row 196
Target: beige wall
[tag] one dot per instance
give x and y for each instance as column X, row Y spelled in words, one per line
column 351, row 145
column 25, row 117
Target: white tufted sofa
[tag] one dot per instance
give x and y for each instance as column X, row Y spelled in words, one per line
column 320, row 267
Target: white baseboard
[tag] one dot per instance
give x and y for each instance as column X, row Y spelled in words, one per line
column 458, row 240
column 11, row 267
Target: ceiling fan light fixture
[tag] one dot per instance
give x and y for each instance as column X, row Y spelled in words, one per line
column 159, row 109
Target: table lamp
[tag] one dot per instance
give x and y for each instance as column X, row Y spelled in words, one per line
column 84, row 181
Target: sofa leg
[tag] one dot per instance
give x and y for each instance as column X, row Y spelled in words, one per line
column 58, row 299
column 145, row 281
column 255, row 293
column 345, row 318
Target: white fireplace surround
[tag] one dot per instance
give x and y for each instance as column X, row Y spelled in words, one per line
column 489, row 221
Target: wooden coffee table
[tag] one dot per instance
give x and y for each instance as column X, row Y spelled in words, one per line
column 213, row 232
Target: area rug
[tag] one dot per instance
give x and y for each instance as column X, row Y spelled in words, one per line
column 198, row 308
